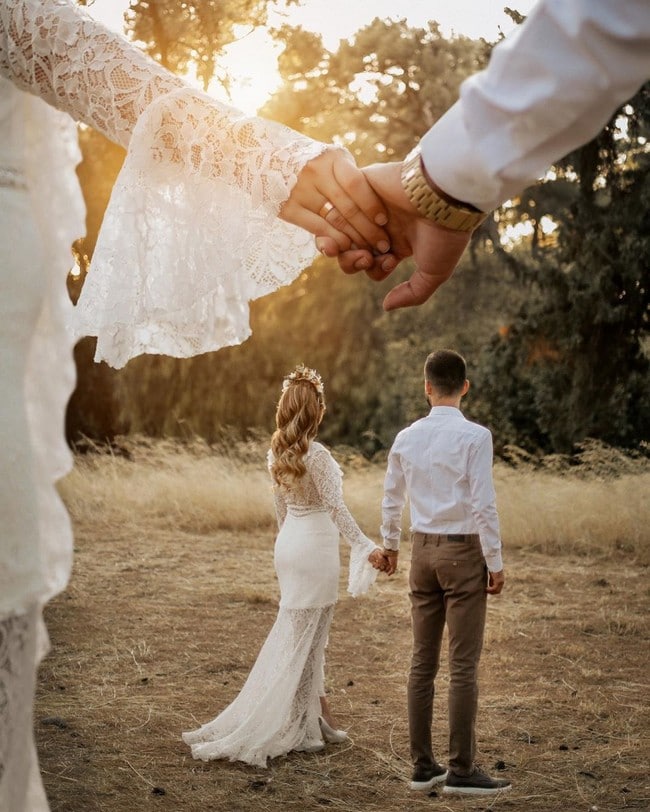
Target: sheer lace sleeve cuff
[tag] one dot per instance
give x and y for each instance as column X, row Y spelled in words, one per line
column 362, row 574
column 191, row 233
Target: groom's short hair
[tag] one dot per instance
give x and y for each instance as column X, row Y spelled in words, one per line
column 446, row 371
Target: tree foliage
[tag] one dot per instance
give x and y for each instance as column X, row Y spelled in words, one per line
column 378, row 92
column 371, row 361
column 191, row 35
column 574, row 363
column 554, row 326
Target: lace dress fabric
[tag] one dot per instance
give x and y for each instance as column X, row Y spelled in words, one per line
column 191, row 234
column 38, row 155
column 277, row 710
column 23, row 641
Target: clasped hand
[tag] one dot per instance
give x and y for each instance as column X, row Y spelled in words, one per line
column 384, row 560
column 365, row 220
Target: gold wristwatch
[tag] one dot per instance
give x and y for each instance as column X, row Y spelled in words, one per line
column 431, row 204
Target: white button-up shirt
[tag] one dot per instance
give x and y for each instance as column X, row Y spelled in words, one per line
column 443, row 464
column 549, row 88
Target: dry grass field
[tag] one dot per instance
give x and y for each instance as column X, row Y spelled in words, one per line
column 173, row 592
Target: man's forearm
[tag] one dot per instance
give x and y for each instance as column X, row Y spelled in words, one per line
column 548, row 88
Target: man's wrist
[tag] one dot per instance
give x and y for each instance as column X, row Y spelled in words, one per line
column 432, row 202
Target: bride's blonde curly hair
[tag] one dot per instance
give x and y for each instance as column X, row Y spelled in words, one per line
column 298, row 416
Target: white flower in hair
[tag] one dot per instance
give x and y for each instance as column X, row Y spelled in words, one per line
column 303, row 373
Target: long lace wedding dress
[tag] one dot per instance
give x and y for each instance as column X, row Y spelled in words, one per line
column 189, row 238
column 278, row 707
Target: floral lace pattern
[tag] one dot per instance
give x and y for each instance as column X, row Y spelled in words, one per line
column 191, row 234
column 321, row 488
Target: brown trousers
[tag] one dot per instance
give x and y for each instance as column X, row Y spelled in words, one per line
column 447, row 581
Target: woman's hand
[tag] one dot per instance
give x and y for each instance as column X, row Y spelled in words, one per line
column 384, row 560
column 333, row 200
column 377, row 559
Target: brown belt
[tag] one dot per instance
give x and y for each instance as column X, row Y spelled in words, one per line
column 444, row 536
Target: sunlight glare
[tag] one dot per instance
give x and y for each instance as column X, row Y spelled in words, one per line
column 252, row 64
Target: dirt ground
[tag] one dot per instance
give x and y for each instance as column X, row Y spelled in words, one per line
column 158, row 629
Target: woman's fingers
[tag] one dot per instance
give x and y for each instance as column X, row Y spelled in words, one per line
column 332, row 187
column 294, row 212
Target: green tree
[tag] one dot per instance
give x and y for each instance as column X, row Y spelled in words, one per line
column 371, row 361
column 180, row 36
column 574, row 363
column 191, row 35
column 376, row 93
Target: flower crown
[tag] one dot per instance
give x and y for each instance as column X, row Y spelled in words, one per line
column 303, row 373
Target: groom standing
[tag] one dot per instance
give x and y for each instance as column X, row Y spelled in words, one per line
column 443, row 464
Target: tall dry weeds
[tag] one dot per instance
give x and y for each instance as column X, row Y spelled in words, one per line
column 199, row 489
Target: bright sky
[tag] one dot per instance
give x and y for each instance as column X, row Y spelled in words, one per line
column 253, row 58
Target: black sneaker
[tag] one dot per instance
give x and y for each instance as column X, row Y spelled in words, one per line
column 425, row 778
column 478, row 783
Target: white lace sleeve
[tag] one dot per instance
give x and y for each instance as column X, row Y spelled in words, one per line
column 328, row 479
column 279, row 500
column 191, row 233
column 280, row 507
column 53, row 49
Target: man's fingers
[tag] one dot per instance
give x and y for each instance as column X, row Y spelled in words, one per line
column 414, row 291
column 378, row 274
column 495, row 583
column 378, row 267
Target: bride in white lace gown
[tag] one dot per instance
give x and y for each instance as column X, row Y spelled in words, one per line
column 282, row 706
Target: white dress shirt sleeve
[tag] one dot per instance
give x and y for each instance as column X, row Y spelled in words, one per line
column 392, row 505
column 483, row 501
column 548, row 89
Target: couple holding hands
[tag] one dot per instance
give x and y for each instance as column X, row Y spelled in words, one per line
column 443, row 464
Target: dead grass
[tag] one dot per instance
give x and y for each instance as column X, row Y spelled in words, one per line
column 172, row 596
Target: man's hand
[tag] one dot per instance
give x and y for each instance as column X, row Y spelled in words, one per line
column 496, row 580
column 436, row 250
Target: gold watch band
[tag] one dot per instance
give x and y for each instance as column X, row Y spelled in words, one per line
column 430, row 204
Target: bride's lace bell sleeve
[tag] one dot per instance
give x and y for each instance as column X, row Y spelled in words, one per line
column 328, row 479
column 191, row 233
